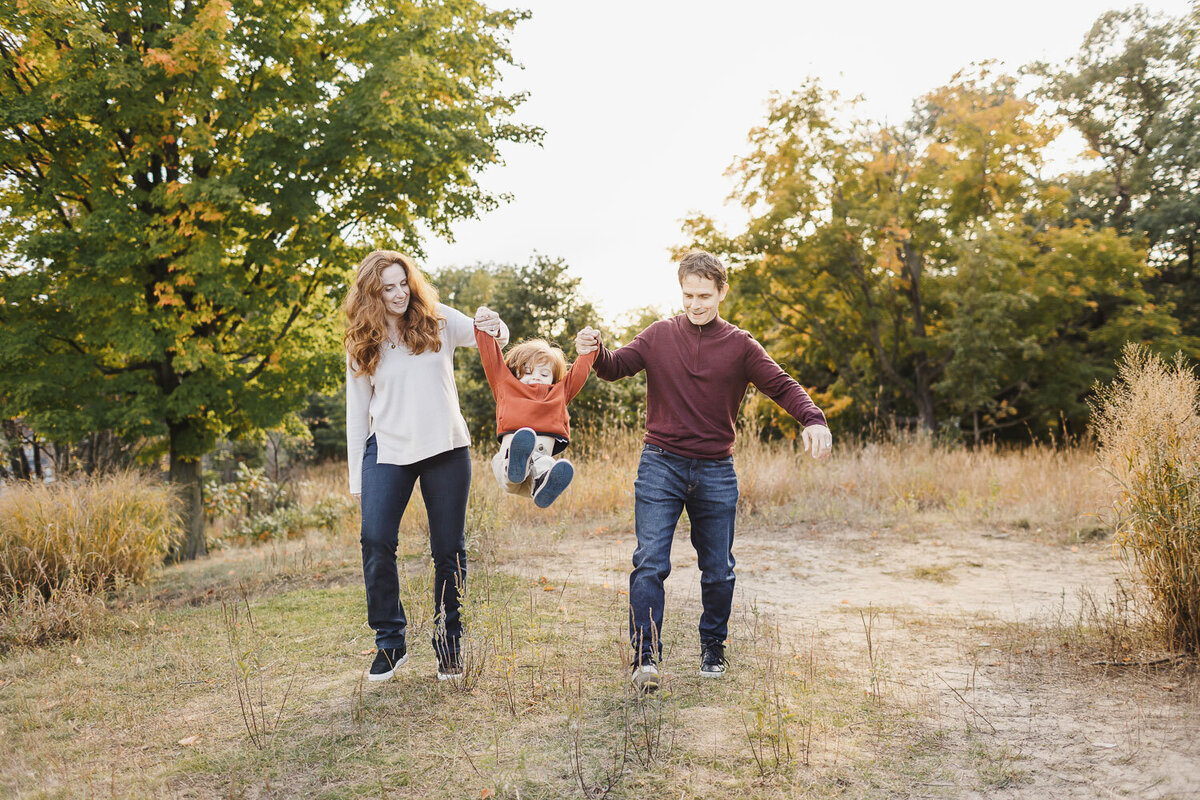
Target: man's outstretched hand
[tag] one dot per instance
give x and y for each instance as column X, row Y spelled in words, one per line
column 817, row 440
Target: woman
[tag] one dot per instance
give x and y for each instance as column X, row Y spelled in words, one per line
column 403, row 424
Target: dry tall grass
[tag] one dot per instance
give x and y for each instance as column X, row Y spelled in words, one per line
column 909, row 479
column 62, row 544
column 1148, row 424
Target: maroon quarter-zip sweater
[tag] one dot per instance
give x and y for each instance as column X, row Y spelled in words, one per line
column 696, row 378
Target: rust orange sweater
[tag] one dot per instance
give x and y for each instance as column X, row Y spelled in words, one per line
column 538, row 406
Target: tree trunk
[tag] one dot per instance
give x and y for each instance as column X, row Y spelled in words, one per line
column 16, row 451
column 913, row 260
column 925, row 405
column 186, row 478
column 62, row 459
column 37, row 461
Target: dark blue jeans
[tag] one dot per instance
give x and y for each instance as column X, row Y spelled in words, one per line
column 666, row 485
column 386, row 488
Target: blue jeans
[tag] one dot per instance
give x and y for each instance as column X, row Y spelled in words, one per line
column 666, row 485
column 386, row 489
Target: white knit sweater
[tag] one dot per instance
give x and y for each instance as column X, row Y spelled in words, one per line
column 410, row 403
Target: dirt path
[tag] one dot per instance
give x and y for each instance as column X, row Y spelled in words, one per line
column 967, row 629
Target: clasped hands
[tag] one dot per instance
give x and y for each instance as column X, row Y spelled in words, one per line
column 488, row 321
column 587, row 340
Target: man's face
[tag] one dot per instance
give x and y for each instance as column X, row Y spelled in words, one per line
column 701, row 297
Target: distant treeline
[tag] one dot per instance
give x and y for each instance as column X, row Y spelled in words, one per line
column 174, row 253
column 934, row 274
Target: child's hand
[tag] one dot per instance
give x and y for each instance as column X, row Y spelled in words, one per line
column 587, row 340
column 487, row 321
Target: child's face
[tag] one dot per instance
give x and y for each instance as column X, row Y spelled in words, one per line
column 538, row 373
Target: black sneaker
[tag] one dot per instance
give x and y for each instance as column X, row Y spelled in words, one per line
column 387, row 659
column 450, row 666
column 644, row 678
column 712, row 660
column 552, row 484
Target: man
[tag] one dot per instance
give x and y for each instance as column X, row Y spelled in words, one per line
column 697, row 369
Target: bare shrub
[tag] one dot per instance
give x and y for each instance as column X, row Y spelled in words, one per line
column 1148, row 425
column 261, row 718
column 31, row 619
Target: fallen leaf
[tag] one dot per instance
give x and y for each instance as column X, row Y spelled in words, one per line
column 548, row 588
column 486, row 793
column 77, row 660
column 188, row 741
column 368, row 652
column 1074, row 548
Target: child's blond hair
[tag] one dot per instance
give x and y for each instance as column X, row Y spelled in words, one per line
column 531, row 352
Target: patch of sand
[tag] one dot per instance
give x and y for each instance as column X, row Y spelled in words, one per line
column 930, row 598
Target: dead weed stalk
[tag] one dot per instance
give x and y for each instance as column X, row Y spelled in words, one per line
column 249, row 673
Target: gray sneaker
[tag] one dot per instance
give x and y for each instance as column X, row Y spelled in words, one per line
column 520, row 449
column 644, row 678
column 553, row 483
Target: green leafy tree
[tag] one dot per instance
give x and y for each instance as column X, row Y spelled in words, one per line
column 846, row 257
column 185, row 187
column 1133, row 93
column 325, row 416
column 1035, row 318
column 924, row 274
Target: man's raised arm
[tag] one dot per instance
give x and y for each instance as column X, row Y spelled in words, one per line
column 612, row 364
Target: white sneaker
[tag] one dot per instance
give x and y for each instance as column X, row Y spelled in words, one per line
column 645, row 678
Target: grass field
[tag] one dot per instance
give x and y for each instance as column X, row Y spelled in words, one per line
column 911, row 621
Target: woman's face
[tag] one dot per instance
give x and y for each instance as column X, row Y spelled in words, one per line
column 395, row 290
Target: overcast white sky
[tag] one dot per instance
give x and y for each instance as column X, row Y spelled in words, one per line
column 646, row 103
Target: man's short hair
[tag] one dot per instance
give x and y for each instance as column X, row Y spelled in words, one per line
column 705, row 265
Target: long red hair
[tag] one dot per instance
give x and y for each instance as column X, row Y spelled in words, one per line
column 366, row 315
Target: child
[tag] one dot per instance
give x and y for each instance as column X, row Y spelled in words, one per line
column 532, row 387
